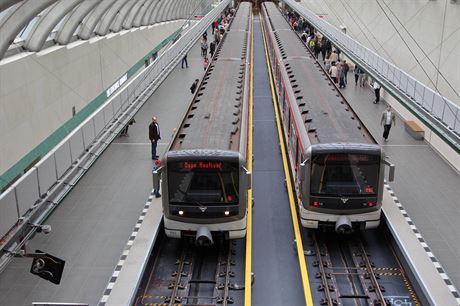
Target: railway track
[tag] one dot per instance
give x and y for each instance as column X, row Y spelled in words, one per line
column 344, row 272
column 181, row 273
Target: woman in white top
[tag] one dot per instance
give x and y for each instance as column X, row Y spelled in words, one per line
column 388, row 118
column 334, row 72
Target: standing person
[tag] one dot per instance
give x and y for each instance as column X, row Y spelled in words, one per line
column 388, row 118
column 356, row 72
column 124, row 131
column 346, row 68
column 184, row 61
column 376, row 87
column 304, row 37
column 333, row 71
column 334, row 57
column 194, row 86
column 212, row 47
column 156, row 184
column 217, row 36
column 204, row 47
column 342, row 83
column 205, row 63
column 361, row 80
column 317, row 48
column 328, row 48
column 205, row 35
column 154, row 136
column 323, row 48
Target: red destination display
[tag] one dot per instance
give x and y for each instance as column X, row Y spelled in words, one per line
column 201, row 165
column 344, row 157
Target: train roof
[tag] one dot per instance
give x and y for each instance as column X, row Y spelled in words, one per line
column 241, row 21
column 214, row 119
column 327, row 117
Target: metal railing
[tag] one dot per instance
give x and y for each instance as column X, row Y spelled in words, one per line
column 437, row 112
column 30, row 200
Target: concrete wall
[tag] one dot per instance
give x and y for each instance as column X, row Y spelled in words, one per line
column 38, row 90
column 437, row 36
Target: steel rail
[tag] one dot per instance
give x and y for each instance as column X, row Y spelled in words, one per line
column 322, row 272
column 370, row 272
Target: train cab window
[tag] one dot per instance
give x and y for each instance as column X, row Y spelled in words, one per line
column 203, row 182
column 344, row 174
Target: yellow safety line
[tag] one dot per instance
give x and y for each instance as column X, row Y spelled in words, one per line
column 248, row 267
column 295, row 223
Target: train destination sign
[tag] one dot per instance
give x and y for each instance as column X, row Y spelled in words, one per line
column 202, row 165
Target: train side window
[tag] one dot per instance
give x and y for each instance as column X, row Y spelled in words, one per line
column 282, row 95
column 285, row 108
column 293, row 144
column 288, row 123
column 297, row 159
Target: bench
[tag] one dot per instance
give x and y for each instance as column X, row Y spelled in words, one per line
column 414, row 129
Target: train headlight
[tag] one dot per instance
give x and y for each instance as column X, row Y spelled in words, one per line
column 315, row 203
column 227, row 213
column 181, row 212
column 370, row 204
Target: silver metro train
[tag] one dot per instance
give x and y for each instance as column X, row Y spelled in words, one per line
column 337, row 166
column 204, row 179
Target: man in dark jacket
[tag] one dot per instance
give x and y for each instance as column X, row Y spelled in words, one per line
column 212, row 47
column 194, row 86
column 154, row 136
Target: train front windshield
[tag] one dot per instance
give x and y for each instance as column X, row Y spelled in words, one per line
column 203, row 182
column 344, row 174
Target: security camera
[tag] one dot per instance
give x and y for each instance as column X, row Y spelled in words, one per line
column 46, row 229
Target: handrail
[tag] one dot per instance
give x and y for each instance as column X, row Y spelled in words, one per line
column 433, row 109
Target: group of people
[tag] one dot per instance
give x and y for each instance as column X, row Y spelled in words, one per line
column 338, row 69
column 339, row 72
column 218, row 28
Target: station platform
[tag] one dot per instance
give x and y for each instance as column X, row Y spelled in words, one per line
column 91, row 226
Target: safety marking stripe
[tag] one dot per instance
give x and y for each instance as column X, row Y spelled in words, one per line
column 248, row 261
column 425, row 246
column 125, row 252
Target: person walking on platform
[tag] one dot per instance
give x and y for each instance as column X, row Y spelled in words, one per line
column 205, row 63
column 388, row 118
column 333, row 71
column 124, row 131
column 376, row 87
column 212, row 48
column 194, row 86
column 154, row 136
column 346, row 68
column 341, row 73
column 184, row 61
column 204, row 47
column 361, row 79
column 356, row 72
